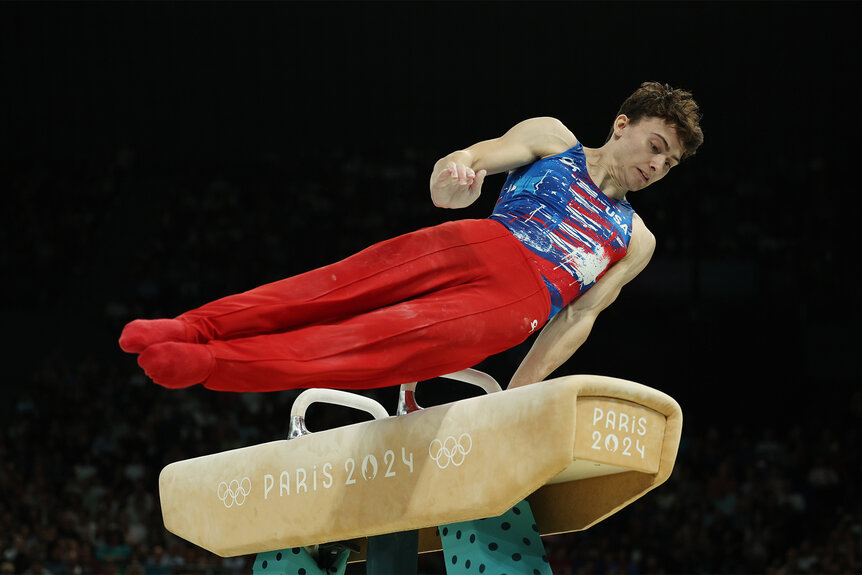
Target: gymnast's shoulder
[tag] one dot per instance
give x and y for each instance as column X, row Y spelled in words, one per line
column 546, row 135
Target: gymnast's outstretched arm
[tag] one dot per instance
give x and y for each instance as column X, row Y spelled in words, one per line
column 568, row 330
column 456, row 180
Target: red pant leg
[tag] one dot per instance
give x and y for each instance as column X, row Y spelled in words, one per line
column 449, row 329
column 388, row 272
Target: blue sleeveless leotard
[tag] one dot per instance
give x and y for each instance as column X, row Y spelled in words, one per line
column 573, row 230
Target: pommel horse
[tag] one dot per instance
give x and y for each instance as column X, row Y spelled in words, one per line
column 577, row 449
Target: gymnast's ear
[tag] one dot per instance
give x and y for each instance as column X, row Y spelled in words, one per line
column 621, row 123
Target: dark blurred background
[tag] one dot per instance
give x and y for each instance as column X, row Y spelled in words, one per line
column 157, row 155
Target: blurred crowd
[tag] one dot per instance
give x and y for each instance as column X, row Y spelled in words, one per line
column 84, row 434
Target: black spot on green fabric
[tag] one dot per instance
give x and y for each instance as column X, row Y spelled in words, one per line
column 507, row 544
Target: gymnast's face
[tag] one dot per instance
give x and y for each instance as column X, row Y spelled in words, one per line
column 646, row 151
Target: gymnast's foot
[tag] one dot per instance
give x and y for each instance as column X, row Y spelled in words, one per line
column 177, row 364
column 139, row 334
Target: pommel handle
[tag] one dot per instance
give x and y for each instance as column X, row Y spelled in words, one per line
column 407, row 400
column 334, row 396
column 477, row 378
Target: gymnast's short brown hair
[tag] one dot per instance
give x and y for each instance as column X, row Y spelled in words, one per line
column 673, row 105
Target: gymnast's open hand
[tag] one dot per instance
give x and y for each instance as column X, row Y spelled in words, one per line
column 459, row 183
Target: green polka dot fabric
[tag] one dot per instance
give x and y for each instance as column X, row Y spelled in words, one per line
column 505, row 545
column 296, row 561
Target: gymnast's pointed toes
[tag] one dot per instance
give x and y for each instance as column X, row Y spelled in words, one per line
column 139, row 334
column 177, row 364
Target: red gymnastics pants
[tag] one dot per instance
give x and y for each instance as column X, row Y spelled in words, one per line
column 411, row 308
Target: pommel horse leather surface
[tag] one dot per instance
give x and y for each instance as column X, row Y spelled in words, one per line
column 581, row 447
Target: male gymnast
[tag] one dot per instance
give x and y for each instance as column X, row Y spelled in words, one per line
column 559, row 246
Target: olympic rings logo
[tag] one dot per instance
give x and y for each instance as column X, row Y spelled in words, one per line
column 450, row 450
column 234, row 492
